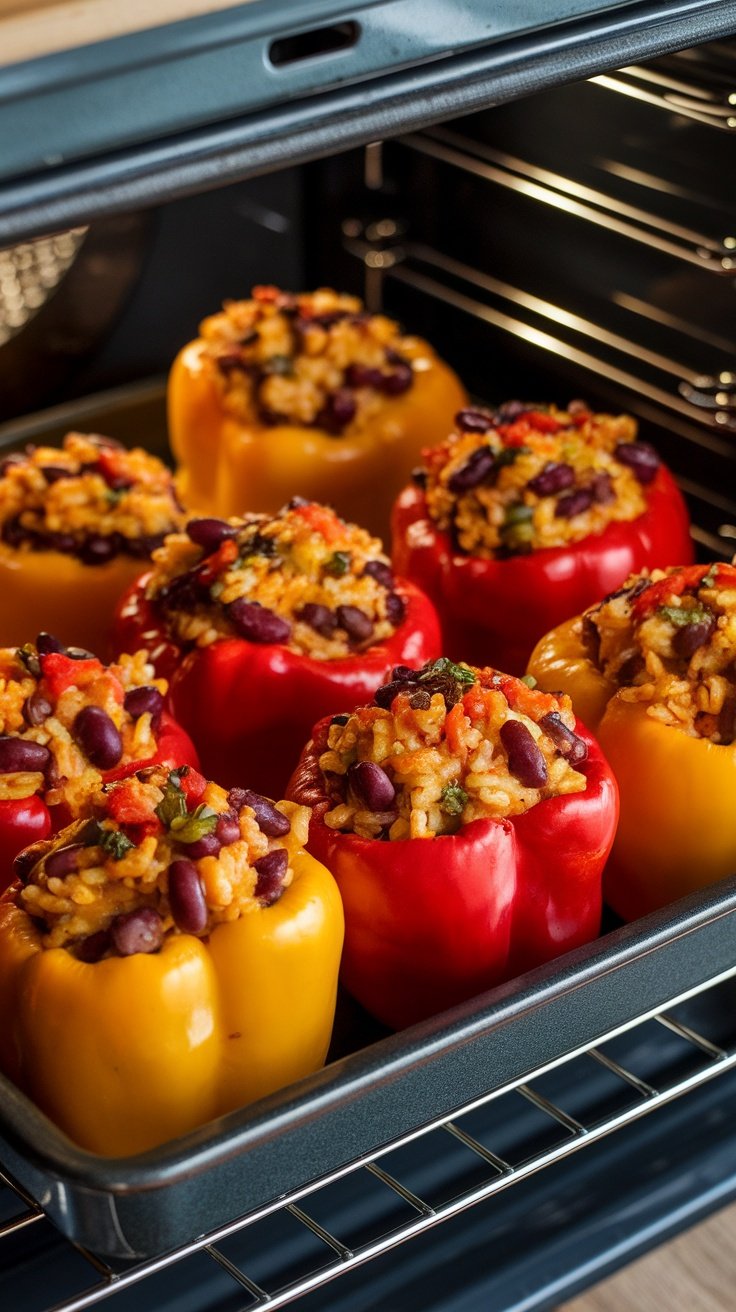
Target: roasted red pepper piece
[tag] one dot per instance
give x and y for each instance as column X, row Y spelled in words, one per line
column 494, row 611
column 432, row 921
column 249, row 707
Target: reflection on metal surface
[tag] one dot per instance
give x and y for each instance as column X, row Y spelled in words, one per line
column 30, row 274
column 710, row 115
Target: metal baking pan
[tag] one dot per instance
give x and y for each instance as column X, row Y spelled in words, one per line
column 383, row 1092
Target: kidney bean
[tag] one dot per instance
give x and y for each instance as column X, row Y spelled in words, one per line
column 66, row 543
column 419, row 477
column 13, row 533
column 183, row 593
column 362, row 375
column 139, row 701
column 63, row 861
column 36, row 709
column 524, row 757
column 339, row 719
column 319, row 618
column 97, row 549
column 271, row 870
column 567, row 743
column 271, row 822
column 403, row 672
column 510, row 411
column 257, row 623
column 381, row 572
column 207, row 845
column 355, row 622
column 553, row 478
column 94, row 947
column 474, row 472
column 395, row 609
column 98, row 737
column 228, row 829
column 372, row 785
column 144, row 546
column 141, row 930
column 384, row 696
column 47, row 643
column 399, row 380
column 602, row 488
column 474, row 421
column 17, row 755
column 186, row 897
column 337, row 411
column 641, row 459
column 53, row 473
column 209, row 534
column 575, row 503
column 690, row 637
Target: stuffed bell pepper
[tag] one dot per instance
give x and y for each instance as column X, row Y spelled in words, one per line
column 166, row 961
column 267, row 623
column 305, row 393
column 525, row 516
column 76, row 522
column 466, row 818
column 67, row 724
column 652, row 668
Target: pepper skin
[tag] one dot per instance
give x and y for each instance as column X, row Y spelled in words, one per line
column 128, row 1052
column 228, row 466
column 494, row 611
column 249, row 707
column 48, row 590
column 677, row 831
column 430, row 922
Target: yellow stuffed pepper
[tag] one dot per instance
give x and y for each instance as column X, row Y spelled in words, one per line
column 308, row 394
column 651, row 671
column 167, row 961
column 77, row 524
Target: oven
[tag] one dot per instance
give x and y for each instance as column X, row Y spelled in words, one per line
column 544, row 191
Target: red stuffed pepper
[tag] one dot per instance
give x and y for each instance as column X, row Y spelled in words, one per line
column 467, row 819
column 268, row 623
column 526, row 516
column 68, row 725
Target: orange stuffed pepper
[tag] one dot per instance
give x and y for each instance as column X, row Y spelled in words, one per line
column 77, row 523
column 304, row 393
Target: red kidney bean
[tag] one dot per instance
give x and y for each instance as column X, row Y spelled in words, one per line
column 339, row 719
column 13, row 533
column 474, row 472
column 567, row 743
column 257, row 623
column 372, row 785
column 53, row 473
column 395, row 609
column 17, row 755
column 419, row 477
column 553, row 478
column 228, row 829
column 188, row 906
column 575, row 503
column 207, row 845
column 66, row 543
column 36, row 709
column 510, row 411
column 355, row 622
column 271, row 822
column 384, row 696
column 98, row 548
column 602, row 488
column 99, row 739
column 47, row 643
column 399, row 380
column 690, row 637
column 361, row 375
column 141, row 930
column 63, row 861
column 143, row 546
column 524, row 757
column 138, row 701
column 94, row 947
column 474, row 421
column 319, row 618
column 209, row 534
column 381, row 572
column 271, row 870
column 337, row 411
column 641, row 459
column 630, row 669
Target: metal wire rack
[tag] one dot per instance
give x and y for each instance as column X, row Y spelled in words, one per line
column 495, row 1142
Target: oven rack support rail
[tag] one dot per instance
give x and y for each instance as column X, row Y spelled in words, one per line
column 150, row 116
column 706, row 1061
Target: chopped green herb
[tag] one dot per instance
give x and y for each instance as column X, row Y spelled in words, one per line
column 29, row 657
column 508, row 454
column 190, row 828
column 114, row 495
column 682, row 615
column 518, row 514
column 278, row 364
column 114, row 843
column 709, row 579
column 173, row 804
column 453, row 799
column 443, row 665
column 217, row 590
column 529, row 680
column 338, row 564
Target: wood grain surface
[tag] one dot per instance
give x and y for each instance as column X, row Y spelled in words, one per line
column 694, row 1273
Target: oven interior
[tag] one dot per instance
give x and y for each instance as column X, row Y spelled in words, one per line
column 580, row 241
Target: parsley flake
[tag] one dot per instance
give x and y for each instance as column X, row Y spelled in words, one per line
column 453, row 799
column 173, row 804
column 444, row 666
column 190, row 828
column 338, row 564
column 114, row 843
column 680, row 616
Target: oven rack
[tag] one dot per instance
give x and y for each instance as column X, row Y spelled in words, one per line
column 628, row 1073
